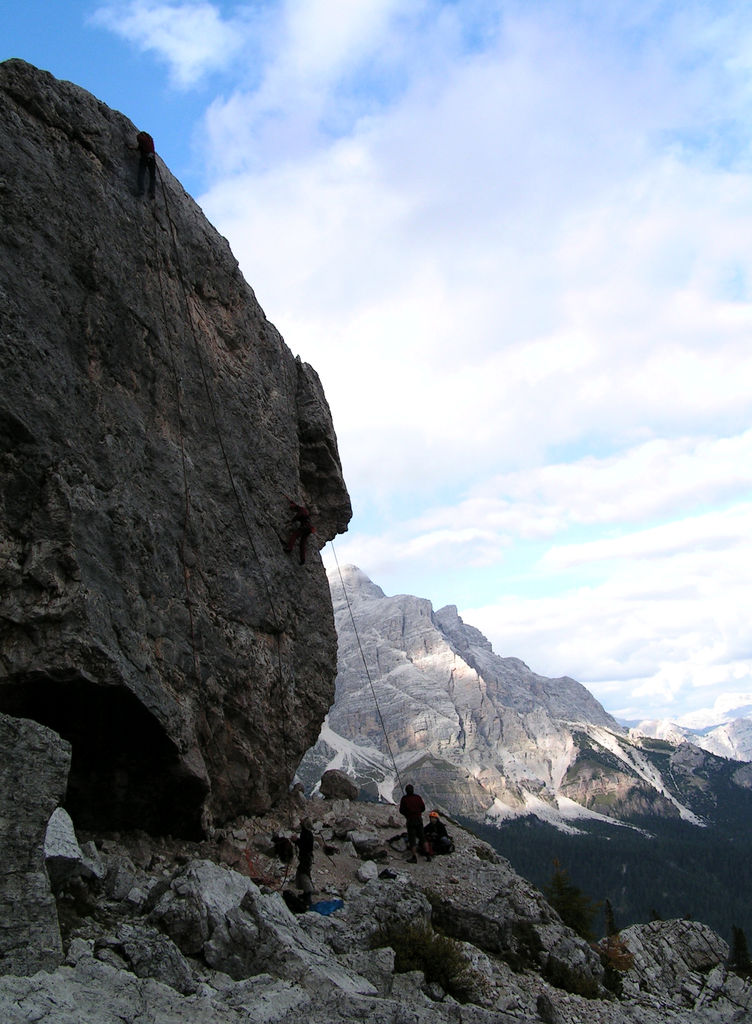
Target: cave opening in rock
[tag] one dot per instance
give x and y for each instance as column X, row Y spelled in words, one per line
column 125, row 771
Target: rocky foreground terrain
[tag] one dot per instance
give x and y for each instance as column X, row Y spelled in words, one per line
column 126, row 928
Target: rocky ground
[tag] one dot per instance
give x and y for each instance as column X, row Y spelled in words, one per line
column 163, row 930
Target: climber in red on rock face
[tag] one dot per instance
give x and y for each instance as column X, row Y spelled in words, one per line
column 146, row 162
column 302, row 528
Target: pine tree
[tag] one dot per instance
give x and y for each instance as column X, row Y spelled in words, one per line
column 611, row 928
column 574, row 908
column 614, row 954
column 739, row 961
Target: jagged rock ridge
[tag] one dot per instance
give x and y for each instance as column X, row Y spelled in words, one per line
column 152, row 423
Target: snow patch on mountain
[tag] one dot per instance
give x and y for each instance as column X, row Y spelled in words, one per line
column 637, row 761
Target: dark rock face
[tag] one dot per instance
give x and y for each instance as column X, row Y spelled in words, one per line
column 152, row 425
column 35, row 769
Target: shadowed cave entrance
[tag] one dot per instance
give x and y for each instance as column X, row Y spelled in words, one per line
column 125, row 773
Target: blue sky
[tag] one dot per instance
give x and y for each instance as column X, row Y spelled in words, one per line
column 515, row 241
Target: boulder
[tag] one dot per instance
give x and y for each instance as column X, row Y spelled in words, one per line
column 148, row 953
column 33, row 774
column 337, row 785
column 672, row 957
column 223, row 917
column 368, row 909
column 63, row 857
column 367, row 845
column 62, row 854
column 98, row 993
column 367, row 872
column 516, row 924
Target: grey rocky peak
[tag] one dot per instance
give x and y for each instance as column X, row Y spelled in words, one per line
column 421, row 696
column 732, row 738
column 153, row 428
column 515, row 684
column 473, row 730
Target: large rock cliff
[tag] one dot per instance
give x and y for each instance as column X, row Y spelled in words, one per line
column 152, row 426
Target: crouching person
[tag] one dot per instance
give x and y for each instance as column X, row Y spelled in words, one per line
column 437, row 835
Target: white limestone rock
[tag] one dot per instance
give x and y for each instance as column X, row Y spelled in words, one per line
column 223, row 917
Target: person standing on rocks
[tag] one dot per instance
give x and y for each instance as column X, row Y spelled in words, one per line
column 412, row 807
column 147, row 161
column 304, row 843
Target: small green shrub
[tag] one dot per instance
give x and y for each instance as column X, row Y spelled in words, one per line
column 417, row 947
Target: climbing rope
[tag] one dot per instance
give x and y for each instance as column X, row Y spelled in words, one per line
column 365, row 666
column 212, row 406
column 183, row 462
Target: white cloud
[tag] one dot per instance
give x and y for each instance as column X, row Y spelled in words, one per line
column 666, row 617
column 309, row 81
column 192, row 38
column 510, row 277
column 715, row 531
column 610, row 497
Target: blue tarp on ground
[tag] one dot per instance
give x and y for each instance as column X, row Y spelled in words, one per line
column 327, row 907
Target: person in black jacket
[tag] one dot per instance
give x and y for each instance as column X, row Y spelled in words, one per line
column 412, row 807
column 304, row 843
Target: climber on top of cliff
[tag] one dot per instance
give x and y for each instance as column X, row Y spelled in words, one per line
column 301, row 529
column 146, row 162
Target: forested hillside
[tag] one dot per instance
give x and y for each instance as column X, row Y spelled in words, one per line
column 656, row 869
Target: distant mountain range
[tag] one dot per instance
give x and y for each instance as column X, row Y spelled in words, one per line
column 732, row 738
column 421, row 697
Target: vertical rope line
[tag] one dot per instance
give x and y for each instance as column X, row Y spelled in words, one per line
column 275, row 614
column 186, row 486
column 365, row 665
